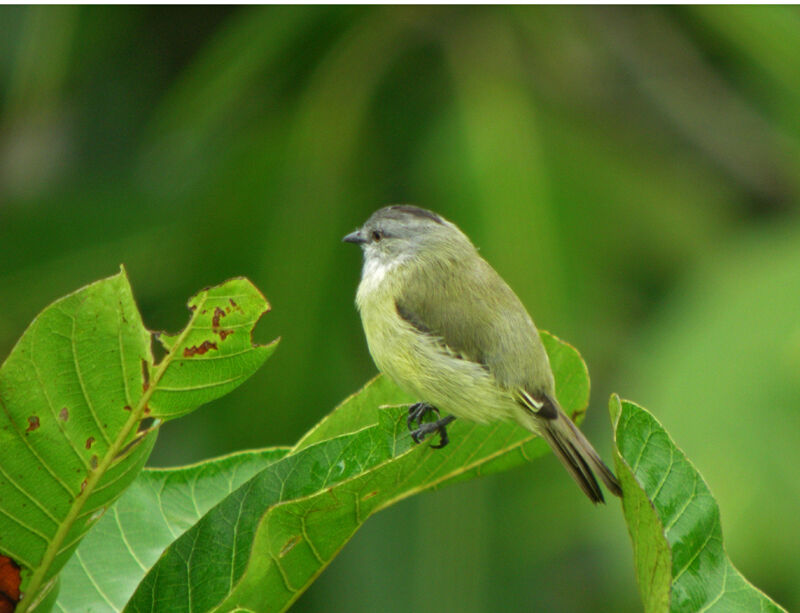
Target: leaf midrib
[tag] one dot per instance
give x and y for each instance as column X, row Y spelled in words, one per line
column 53, row 548
column 393, row 499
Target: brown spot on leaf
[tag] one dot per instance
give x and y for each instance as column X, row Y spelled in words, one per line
column 9, row 584
column 188, row 352
column 233, row 304
column 193, row 307
column 89, row 442
column 93, row 462
column 369, row 495
column 577, row 413
column 127, row 407
column 218, row 314
column 63, row 414
column 33, row 423
column 84, row 483
column 145, row 376
column 289, row 545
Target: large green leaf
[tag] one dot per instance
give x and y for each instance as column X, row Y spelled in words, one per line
column 160, row 505
column 73, row 394
column 673, row 520
column 263, row 545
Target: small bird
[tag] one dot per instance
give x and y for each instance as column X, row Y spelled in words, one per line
column 448, row 330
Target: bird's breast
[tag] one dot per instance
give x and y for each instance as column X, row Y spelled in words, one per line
column 418, row 363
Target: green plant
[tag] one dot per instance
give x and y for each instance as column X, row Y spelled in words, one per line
column 83, row 399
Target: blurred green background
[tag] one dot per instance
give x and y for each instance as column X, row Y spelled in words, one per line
column 634, row 174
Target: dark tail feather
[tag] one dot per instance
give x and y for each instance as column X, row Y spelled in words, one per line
column 578, row 456
column 569, row 444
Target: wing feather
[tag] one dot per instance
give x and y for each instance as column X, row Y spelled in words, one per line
column 477, row 316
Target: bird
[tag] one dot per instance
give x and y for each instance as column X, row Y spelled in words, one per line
column 447, row 329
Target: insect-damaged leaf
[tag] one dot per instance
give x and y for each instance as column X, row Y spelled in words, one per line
column 73, row 393
column 214, row 353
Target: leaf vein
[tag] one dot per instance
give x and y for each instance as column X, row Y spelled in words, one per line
column 691, row 560
column 721, row 592
column 666, row 474
column 685, row 506
column 70, row 443
column 30, row 497
column 94, row 583
column 162, row 388
column 125, row 539
column 646, row 441
column 79, row 374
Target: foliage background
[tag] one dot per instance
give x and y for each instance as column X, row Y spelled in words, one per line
column 632, row 172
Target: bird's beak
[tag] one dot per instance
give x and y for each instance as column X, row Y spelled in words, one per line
column 354, row 237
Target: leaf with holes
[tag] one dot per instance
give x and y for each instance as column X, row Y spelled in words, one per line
column 260, row 547
column 73, row 394
column 674, row 523
column 214, row 353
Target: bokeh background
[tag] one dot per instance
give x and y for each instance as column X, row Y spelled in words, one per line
column 634, row 173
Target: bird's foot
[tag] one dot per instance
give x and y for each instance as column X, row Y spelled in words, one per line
column 439, row 426
column 417, row 411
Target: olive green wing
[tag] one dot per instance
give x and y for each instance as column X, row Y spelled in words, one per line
column 476, row 316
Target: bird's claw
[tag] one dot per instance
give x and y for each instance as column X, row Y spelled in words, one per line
column 439, row 426
column 416, row 412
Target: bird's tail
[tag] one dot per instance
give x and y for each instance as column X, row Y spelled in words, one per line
column 573, row 449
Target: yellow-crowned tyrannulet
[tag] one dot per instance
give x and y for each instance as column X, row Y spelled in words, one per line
column 448, row 330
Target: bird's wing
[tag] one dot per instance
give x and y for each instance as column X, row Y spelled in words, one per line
column 477, row 317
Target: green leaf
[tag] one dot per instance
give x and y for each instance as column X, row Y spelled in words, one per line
column 355, row 412
column 260, row 547
column 214, row 353
column 160, row 505
column 673, row 520
column 73, row 394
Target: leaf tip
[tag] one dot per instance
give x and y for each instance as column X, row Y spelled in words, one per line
column 614, row 410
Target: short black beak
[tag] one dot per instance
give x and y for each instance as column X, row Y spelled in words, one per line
column 354, row 237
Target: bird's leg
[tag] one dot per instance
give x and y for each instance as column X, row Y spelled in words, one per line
column 417, row 411
column 439, row 426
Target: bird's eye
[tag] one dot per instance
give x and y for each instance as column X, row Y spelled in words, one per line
column 377, row 235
